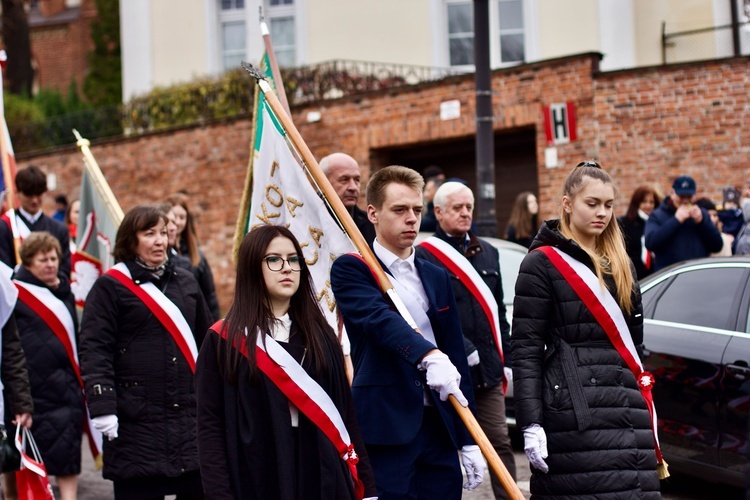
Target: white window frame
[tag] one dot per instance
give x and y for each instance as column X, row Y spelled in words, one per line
column 254, row 43
column 272, row 12
column 440, row 18
column 226, row 17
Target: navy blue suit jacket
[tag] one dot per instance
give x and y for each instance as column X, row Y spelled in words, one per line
column 388, row 388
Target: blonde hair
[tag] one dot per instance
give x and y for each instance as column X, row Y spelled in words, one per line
column 609, row 256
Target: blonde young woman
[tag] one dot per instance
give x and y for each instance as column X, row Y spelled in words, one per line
column 580, row 395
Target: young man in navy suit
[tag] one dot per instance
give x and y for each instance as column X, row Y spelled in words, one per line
column 403, row 376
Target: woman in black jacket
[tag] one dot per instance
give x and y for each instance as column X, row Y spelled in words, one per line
column 58, row 399
column 187, row 246
column 633, row 225
column 142, row 325
column 587, row 429
column 253, row 442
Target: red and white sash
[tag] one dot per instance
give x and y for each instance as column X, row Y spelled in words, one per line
column 9, row 293
column 164, row 309
column 469, row 277
column 19, row 229
column 57, row 317
column 608, row 314
column 306, row 394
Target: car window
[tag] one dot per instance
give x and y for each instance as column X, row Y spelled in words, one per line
column 703, row 297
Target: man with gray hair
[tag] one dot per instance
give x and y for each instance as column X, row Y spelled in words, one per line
column 342, row 172
column 474, row 267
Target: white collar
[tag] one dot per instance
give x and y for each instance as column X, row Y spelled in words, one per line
column 31, row 218
column 643, row 215
column 389, row 258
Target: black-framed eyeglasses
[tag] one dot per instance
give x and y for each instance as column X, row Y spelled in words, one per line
column 276, row 263
column 589, row 164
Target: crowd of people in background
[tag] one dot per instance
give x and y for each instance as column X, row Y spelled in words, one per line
column 129, row 364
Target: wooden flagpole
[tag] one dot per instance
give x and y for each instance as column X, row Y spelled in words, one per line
column 364, row 249
column 277, row 81
column 89, row 162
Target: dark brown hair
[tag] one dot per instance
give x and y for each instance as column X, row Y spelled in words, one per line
column 138, row 218
column 67, row 214
column 251, row 309
column 520, row 217
column 638, row 196
column 31, row 181
column 188, row 235
column 38, row 241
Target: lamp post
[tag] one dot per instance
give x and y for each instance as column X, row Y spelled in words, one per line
column 486, row 220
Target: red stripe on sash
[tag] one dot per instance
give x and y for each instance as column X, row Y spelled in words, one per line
column 160, row 314
column 471, row 286
column 54, row 324
column 303, row 402
column 592, row 302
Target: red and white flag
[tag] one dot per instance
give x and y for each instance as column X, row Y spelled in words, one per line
column 97, row 229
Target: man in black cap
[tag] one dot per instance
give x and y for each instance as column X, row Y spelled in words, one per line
column 680, row 230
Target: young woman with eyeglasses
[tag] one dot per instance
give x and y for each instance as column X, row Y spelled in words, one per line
column 266, row 376
column 582, row 398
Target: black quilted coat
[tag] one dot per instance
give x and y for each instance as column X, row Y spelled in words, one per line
column 58, row 400
column 604, row 448
column 133, row 368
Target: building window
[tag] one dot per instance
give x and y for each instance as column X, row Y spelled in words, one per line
column 281, row 22
column 507, row 32
column 232, row 32
column 233, row 43
column 510, row 13
column 461, row 33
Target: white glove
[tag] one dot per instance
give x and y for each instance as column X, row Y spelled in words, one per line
column 474, row 466
column 473, row 358
column 508, row 374
column 535, row 446
column 107, row 425
column 443, row 377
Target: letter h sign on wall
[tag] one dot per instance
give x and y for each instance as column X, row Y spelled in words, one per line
column 560, row 123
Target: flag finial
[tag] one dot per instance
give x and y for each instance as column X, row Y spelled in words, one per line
column 256, row 73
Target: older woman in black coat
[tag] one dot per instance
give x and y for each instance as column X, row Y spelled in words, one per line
column 142, row 325
column 50, row 356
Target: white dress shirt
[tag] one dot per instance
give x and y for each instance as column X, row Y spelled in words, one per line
column 280, row 332
column 404, row 271
column 31, row 218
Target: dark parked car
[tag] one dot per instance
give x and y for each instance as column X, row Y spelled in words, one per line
column 697, row 345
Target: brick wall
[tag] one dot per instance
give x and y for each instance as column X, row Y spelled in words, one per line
column 60, row 51
column 657, row 123
column 645, row 125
